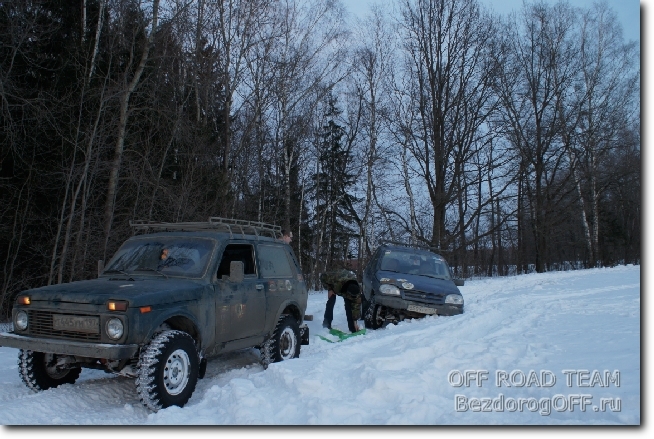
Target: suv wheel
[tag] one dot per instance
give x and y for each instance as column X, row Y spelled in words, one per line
column 167, row 370
column 374, row 317
column 39, row 371
column 285, row 342
column 365, row 304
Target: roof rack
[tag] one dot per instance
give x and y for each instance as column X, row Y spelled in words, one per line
column 419, row 246
column 214, row 223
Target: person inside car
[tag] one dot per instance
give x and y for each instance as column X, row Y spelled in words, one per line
column 184, row 259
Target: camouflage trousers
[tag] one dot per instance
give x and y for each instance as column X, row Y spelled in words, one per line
column 352, row 300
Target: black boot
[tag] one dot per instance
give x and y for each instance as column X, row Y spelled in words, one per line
column 327, row 324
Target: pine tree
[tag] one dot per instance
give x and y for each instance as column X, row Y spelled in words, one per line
column 333, row 182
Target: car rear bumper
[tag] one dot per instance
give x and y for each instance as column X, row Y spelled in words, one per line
column 401, row 304
column 67, row 347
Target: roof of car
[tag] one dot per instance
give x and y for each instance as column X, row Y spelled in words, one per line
column 211, row 234
column 409, row 248
column 214, row 225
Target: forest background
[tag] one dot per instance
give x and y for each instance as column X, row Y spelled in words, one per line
column 509, row 143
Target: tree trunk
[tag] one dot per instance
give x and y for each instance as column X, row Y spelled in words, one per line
column 594, row 196
column 122, row 127
column 409, row 192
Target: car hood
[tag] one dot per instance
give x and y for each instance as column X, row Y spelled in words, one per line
column 138, row 292
column 420, row 283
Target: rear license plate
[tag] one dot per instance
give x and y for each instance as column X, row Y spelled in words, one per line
column 422, row 309
column 90, row 325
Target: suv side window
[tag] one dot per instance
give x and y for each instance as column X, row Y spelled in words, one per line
column 273, row 262
column 237, row 252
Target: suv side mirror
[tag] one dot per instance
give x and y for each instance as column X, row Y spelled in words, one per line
column 459, row 282
column 236, row 271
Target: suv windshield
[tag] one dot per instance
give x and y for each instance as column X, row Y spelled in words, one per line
column 418, row 263
column 168, row 256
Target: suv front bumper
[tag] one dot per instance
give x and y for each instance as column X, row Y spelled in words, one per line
column 401, row 304
column 67, row 347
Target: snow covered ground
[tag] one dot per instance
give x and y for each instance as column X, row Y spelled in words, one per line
column 579, row 332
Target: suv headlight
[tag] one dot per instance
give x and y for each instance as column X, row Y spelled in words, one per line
column 389, row 289
column 21, row 320
column 114, row 329
column 454, row 299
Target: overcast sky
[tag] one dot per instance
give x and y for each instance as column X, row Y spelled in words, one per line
column 629, row 13
column 628, row 10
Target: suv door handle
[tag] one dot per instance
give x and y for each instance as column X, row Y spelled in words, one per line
column 259, row 286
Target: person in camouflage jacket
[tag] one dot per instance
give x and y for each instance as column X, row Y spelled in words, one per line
column 342, row 283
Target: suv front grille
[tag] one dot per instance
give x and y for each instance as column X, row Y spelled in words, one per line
column 40, row 323
column 421, row 297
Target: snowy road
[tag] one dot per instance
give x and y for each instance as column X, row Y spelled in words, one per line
column 581, row 329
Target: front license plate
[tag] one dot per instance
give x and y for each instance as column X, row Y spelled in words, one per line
column 422, row 309
column 90, row 325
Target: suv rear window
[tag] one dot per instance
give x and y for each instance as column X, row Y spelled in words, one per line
column 273, row 262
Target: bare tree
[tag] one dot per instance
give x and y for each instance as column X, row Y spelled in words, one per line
column 607, row 95
column 446, row 60
column 130, row 86
column 540, row 67
column 90, row 141
column 506, row 143
column 308, row 64
column 372, row 65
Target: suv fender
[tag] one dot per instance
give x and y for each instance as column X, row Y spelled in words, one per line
column 290, row 307
column 180, row 320
column 366, row 291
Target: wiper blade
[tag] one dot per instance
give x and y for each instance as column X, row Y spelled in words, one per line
column 152, row 269
column 434, row 277
column 118, row 271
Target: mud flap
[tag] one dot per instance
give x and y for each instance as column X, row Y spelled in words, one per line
column 304, row 335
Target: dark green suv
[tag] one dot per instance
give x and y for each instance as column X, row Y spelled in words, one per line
column 172, row 296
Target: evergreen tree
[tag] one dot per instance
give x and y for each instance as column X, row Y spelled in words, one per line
column 333, row 182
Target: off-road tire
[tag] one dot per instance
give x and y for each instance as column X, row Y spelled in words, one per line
column 373, row 319
column 167, row 370
column 285, row 342
column 365, row 304
column 38, row 371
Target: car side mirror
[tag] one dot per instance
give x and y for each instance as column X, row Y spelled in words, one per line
column 236, row 274
column 459, row 282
